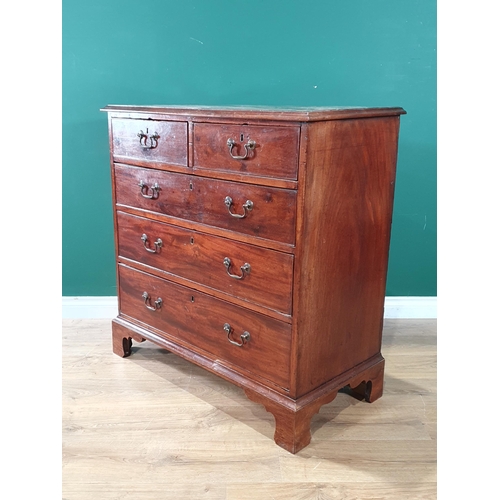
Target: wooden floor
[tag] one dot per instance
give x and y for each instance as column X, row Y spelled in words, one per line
column 153, row 426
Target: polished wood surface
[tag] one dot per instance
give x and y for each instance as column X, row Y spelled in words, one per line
column 293, row 417
column 259, row 113
column 199, row 259
column 323, row 300
column 197, row 319
column 274, row 153
column 202, row 200
column 170, row 146
column 155, row 426
column 343, row 243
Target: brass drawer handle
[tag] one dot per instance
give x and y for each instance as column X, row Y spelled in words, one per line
column 155, row 188
column 147, row 301
column 245, row 336
column 248, row 146
column 247, row 207
column 145, row 137
column 158, row 244
column 245, row 269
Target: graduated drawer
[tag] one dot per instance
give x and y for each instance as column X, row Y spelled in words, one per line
column 209, row 260
column 198, row 319
column 150, row 141
column 205, row 200
column 248, row 149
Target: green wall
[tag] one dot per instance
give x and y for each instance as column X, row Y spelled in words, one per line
column 321, row 53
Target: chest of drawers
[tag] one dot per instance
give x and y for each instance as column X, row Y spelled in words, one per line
column 254, row 243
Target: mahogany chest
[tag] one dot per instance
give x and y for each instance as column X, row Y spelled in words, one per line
column 254, row 243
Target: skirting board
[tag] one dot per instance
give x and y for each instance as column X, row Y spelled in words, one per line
column 107, row 307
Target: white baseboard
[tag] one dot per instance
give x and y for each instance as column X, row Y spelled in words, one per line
column 107, row 307
column 89, row 307
column 410, row 307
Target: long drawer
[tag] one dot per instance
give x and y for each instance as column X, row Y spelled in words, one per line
column 234, row 268
column 245, row 339
column 255, row 210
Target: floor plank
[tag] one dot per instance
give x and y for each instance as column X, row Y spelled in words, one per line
column 154, row 426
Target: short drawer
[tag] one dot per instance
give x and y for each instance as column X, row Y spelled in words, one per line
column 259, row 211
column 150, row 141
column 208, row 323
column 234, row 268
column 248, row 149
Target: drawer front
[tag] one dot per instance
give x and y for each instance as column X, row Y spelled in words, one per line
column 209, row 260
column 270, row 213
column 152, row 141
column 269, row 151
column 198, row 319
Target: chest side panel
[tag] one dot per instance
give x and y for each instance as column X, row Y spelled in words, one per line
column 343, row 243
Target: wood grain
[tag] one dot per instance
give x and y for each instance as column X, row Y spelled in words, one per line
column 199, row 257
column 197, row 319
column 274, row 153
column 335, row 222
column 343, row 242
column 171, row 147
column 259, row 113
column 154, row 426
column 202, row 200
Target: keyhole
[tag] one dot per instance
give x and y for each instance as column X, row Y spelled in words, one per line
column 190, row 185
column 241, row 137
column 192, row 240
column 192, row 298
